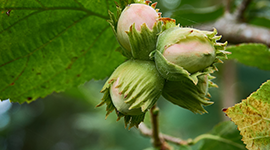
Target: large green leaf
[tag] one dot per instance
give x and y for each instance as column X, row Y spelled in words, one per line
column 48, row 46
column 224, row 136
column 255, row 55
column 252, row 116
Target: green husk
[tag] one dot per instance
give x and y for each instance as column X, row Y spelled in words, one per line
column 188, row 95
column 141, row 86
column 176, row 35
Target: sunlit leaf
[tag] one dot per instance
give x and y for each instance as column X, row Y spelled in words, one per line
column 254, row 55
column 252, row 116
column 49, row 46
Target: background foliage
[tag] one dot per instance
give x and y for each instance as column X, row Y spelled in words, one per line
column 51, row 46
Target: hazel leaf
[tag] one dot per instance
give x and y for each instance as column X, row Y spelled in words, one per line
column 254, row 55
column 252, row 116
column 50, row 46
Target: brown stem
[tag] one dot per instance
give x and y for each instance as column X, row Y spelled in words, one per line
column 158, row 142
column 155, row 127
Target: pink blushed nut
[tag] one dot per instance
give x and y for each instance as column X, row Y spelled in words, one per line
column 118, row 100
column 193, row 55
column 138, row 14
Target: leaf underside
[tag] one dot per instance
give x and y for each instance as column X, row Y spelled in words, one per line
column 49, row 46
column 254, row 55
column 252, row 116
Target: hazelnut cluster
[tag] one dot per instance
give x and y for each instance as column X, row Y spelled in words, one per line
column 162, row 59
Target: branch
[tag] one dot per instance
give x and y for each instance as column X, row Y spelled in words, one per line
column 227, row 4
column 148, row 132
column 236, row 32
column 232, row 29
column 239, row 13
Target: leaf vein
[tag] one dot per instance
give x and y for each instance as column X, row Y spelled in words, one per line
column 45, row 44
column 79, row 3
column 107, row 5
column 89, row 12
column 57, row 73
column 40, row 3
column 26, row 64
column 253, row 124
column 42, row 46
column 19, row 21
column 258, row 137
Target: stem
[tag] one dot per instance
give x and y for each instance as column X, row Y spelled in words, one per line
column 155, row 126
column 158, row 141
column 148, row 132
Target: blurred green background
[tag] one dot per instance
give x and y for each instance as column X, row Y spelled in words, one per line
column 70, row 121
